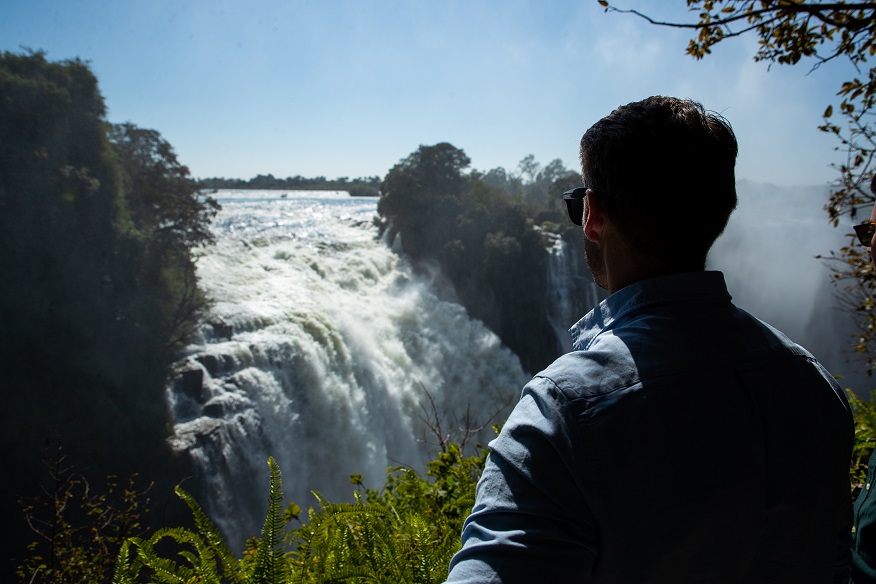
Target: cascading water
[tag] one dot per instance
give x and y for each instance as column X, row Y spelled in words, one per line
column 319, row 351
column 573, row 293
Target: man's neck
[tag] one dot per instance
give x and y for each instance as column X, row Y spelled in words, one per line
column 626, row 267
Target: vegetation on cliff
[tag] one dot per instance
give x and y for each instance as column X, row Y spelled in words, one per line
column 487, row 234
column 98, row 226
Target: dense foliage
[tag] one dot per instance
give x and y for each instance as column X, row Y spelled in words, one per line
column 79, row 530
column 865, row 438
column 817, row 32
column 406, row 532
column 487, row 233
column 97, row 226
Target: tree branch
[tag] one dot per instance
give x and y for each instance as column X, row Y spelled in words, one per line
column 789, row 7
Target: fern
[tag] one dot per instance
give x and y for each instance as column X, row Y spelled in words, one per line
column 127, row 567
column 404, row 533
column 369, row 542
column 213, row 539
column 166, row 570
column 198, row 555
column 865, row 438
column 339, row 542
column 270, row 563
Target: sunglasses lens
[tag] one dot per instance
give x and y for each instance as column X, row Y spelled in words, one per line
column 865, row 233
column 576, row 210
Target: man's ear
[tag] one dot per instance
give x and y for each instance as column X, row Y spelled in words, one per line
column 595, row 217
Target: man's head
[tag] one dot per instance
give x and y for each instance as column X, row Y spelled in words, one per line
column 663, row 168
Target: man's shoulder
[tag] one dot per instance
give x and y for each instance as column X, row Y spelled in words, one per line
column 653, row 346
column 599, row 370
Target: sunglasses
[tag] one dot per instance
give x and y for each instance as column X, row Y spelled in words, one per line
column 575, row 204
column 864, row 231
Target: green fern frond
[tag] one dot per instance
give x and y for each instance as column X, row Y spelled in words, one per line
column 270, row 562
column 127, row 565
column 164, row 570
column 409, row 555
column 213, row 538
column 347, row 542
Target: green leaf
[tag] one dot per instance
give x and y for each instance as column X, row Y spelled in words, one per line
column 292, row 512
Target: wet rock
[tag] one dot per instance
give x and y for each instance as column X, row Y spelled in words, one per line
column 190, row 382
column 222, row 329
column 210, row 362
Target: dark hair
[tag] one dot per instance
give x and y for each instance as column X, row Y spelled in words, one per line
column 665, row 169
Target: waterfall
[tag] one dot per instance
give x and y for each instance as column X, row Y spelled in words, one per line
column 573, row 293
column 319, row 350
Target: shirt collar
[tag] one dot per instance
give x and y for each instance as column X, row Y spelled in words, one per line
column 685, row 287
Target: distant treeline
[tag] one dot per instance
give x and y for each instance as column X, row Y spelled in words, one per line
column 368, row 186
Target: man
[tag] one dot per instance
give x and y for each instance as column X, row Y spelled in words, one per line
column 682, row 440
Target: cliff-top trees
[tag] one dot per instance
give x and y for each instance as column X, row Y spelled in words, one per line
column 482, row 238
column 98, row 286
column 420, row 196
column 168, row 219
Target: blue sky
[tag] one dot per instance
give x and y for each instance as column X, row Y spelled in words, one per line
column 350, row 87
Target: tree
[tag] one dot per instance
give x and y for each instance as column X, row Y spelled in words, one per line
column 817, row 31
column 62, row 213
column 529, row 167
column 98, row 287
column 503, row 181
column 77, row 529
column 169, row 218
column 553, row 171
column 162, row 198
column 420, row 196
column 538, row 190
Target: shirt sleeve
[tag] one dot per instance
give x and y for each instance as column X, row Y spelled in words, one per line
column 530, row 522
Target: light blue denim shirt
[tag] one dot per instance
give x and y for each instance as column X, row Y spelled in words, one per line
column 682, row 440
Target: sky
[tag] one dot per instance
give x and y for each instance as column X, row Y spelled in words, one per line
column 348, row 88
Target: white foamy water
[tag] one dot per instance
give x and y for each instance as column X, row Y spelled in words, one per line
column 334, row 343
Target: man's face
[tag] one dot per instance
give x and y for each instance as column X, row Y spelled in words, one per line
column 594, row 256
